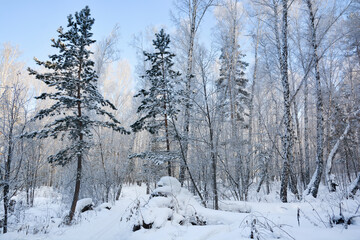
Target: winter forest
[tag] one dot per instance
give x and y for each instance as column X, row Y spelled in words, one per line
column 253, row 133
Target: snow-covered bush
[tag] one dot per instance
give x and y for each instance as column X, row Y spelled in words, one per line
column 168, row 203
column 330, row 209
column 257, row 226
column 46, row 212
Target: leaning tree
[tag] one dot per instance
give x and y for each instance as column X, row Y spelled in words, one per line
column 77, row 106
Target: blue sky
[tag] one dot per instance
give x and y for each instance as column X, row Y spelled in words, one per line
column 30, row 24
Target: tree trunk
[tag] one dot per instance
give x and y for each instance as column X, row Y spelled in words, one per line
column 293, row 164
column 213, row 165
column 287, row 138
column 298, row 140
column 330, row 158
column 195, row 18
column 251, row 107
column 107, row 187
column 188, row 96
column 306, row 133
column 166, row 118
column 315, row 181
column 79, row 157
column 211, row 139
column 6, row 189
column 167, row 144
column 264, row 175
column 118, row 192
column 77, row 188
column 354, row 186
column 331, row 185
column 186, row 166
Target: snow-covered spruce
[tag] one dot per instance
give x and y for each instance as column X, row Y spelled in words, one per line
column 78, row 106
column 160, row 99
column 168, row 203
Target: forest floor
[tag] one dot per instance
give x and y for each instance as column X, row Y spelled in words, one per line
column 265, row 217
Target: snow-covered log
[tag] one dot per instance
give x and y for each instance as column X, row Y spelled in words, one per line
column 84, row 205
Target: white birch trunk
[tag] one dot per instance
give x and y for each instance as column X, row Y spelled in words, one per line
column 287, row 138
column 195, row 16
column 330, row 158
column 315, row 181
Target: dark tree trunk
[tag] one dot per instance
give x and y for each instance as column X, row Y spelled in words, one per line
column 79, row 157
column 169, row 167
column 77, row 190
column 306, row 133
column 6, row 189
column 118, row 192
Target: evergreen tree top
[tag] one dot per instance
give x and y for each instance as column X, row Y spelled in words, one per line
column 160, row 99
column 77, row 101
column 161, row 50
column 162, row 41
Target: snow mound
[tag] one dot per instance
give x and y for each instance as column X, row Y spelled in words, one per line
column 235, row 206
column 83, row 204
column 103, row 206
column 168, row 185
column 167, row 203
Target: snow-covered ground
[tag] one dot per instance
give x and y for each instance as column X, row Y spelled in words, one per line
column 268, row 219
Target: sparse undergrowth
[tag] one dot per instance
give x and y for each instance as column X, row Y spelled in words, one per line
column 170, row 209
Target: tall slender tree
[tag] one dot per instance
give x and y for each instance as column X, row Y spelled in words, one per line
column 232, row 82
column 315, row 180
column 13, row 94
column 75, row 96
column 158, row 105
column 288, row 131
column 234, row 99
column 194, row 11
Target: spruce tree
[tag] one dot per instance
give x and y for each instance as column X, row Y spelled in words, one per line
column 76, row 100
column 234, row 99
column 158, row 105
column 232, row 83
